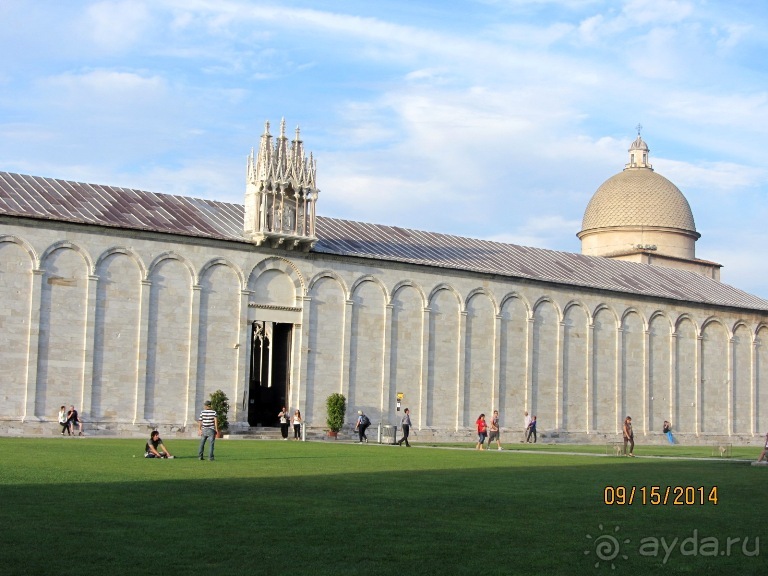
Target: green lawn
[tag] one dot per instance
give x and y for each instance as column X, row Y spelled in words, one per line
column 96, row 506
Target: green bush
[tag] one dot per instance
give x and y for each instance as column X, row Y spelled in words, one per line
column 336, row 405
column 220, row 403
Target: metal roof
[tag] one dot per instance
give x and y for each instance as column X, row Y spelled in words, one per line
column 62, row 200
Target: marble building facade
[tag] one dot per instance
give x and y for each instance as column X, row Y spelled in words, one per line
column 137, row 321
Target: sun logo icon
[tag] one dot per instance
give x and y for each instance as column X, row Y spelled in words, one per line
column 607, row 547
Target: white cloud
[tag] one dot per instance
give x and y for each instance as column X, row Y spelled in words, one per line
column 116, row 26
column 662, row 12
column 530, row 37
column 723, row 177
column 210, row 178
column 106, row 81
column 589, row 28
column 656, row 55
column 541, row 232
column 111, row 93
column 744, row 110
column 731, row 35
column 739, row 268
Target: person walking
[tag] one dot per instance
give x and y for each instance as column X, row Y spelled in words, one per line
column 531, row 430
column 406, row 424
column 629, row 437
column 495, row 431
column 482, row 431
column 207, row 428
column 362, row 424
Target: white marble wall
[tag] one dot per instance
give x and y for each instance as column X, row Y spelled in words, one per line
column 136, row 329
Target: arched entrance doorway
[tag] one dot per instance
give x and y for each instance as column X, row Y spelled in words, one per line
column 269, row 380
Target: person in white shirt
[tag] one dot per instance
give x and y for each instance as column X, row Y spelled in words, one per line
column 406, row 424
column 207, row 429
column 297, row 424
column 64, row 422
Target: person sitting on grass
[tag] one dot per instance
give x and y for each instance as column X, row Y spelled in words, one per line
column 668, row 431
column 155, row 447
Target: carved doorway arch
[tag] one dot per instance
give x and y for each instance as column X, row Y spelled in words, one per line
column 270, row 371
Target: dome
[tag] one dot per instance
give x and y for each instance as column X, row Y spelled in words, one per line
column 640, row 216
column 638, row 197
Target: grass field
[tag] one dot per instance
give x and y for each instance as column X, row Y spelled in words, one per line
column 96, row 506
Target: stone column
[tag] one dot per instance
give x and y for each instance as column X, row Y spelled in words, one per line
column 33, row 343
column 729, row 384
column 142, row 358
column 424, row 409
column 754, row 388
column 194, row 335
column 495, row 388
column 560, row 371
column 346, row 350
column 302, row 353
column 86, row 391
column 646, row 380
column 590, row 364
column 529, row 367
column 242, row 357
column 673, row 383
column 697, row 375
column 461, row 376
column 618, row 397
column 386, row 363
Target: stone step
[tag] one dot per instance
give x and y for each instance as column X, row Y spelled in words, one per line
column 273, row 433
column 256, row 433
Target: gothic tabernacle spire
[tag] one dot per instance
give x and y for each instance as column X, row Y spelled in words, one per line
column 281, row 192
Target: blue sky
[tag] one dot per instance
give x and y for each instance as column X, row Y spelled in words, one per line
column 492, row 119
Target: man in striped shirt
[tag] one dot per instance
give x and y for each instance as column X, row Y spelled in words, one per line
column 207, row 427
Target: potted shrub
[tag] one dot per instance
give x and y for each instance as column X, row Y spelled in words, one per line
column 336, row 405
column 220, row 403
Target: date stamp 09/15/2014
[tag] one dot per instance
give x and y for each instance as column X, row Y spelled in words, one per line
column 660, row 495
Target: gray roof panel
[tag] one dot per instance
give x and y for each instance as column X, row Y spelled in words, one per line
column 45, row 198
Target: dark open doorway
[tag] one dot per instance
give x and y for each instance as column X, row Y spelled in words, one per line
column 269, row 380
